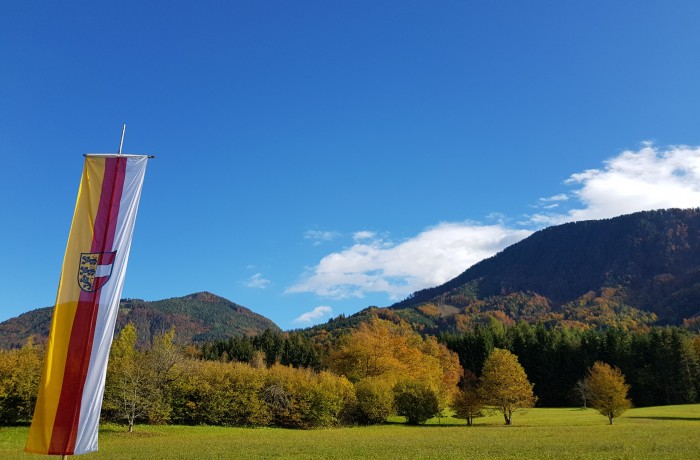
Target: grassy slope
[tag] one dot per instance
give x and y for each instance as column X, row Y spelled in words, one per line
column 659, row 432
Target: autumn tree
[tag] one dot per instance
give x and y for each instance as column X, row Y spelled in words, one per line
column 165, row 364
column 137, row 381
column 220, row 393
column 504, row 384
column 608, row 390
column 302, row 398
column 20, row 371
column 394, row 352
column 467, row 402
column 126, row 394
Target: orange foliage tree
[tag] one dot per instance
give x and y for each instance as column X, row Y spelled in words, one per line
column 380, row 349
column 608, row 390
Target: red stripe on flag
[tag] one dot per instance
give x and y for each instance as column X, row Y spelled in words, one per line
column 65, row 428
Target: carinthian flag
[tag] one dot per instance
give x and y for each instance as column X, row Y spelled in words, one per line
column 68, row 407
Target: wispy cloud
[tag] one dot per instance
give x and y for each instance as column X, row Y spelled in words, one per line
column 363, row 235
column 432, row 257
column 257, row 282
column 559, row 197
column 314, row 315
column 552, row 202
column 320, row 236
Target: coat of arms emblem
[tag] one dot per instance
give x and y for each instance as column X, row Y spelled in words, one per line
column 94, row 270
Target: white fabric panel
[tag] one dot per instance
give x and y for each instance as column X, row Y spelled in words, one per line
column 110, row 294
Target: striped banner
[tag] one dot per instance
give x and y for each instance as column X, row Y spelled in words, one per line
column 67, row 412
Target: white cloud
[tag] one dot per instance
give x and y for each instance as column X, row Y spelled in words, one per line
column 430, row 258
column 320, row 236
column 650, row 178
column 363, row 235
column 314, row 315
column 559, row 197
column 257, row 281
column 638, row 181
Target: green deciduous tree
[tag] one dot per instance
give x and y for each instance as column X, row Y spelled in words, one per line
column 416, row 400
column 608, row 390
column 375, row 400
column 504, row 384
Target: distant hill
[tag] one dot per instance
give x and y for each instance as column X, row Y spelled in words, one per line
column 630, row 271
column 197, row 318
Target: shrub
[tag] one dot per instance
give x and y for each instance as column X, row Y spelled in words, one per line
column 416, row 400
column 375, row 401
column 217, row 393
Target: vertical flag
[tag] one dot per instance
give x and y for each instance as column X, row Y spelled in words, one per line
column 67, row 411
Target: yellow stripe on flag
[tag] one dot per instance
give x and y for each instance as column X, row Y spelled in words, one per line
column 79, row 240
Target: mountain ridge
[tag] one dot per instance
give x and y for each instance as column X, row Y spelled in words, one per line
column 650, row 260
column 197, row 317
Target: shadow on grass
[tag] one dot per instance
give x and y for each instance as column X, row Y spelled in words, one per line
column 443, row 424
column 140, row 431
column 650, row 417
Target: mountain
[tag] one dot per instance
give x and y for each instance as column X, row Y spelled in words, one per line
column 197, row 318
column 643, row 266
column 631, row 271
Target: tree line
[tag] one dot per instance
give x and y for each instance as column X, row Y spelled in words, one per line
column 289, row 349
column 396, row 371
column 364, row 375
column 661, row 365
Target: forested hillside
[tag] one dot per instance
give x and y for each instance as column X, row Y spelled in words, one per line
column 196, row 317
column 630, row 271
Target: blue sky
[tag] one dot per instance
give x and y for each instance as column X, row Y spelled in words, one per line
column 315, row 158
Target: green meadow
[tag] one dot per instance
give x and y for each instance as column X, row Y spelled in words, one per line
column 654, row 432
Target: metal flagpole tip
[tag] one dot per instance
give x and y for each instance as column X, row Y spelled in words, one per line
column 121, row 143
column 119, row 152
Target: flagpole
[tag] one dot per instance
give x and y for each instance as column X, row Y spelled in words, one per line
column 121, row 143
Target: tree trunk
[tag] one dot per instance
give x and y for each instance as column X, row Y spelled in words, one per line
column 508, row 415
column 469, row 420
column 610, row 417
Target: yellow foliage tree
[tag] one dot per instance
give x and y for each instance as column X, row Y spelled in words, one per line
column 137, row 380
column 608, row 390
column 394, row 352
column 20, row 371
column 504, row 384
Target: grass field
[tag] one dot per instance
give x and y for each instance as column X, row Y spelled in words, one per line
column 656, row 432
